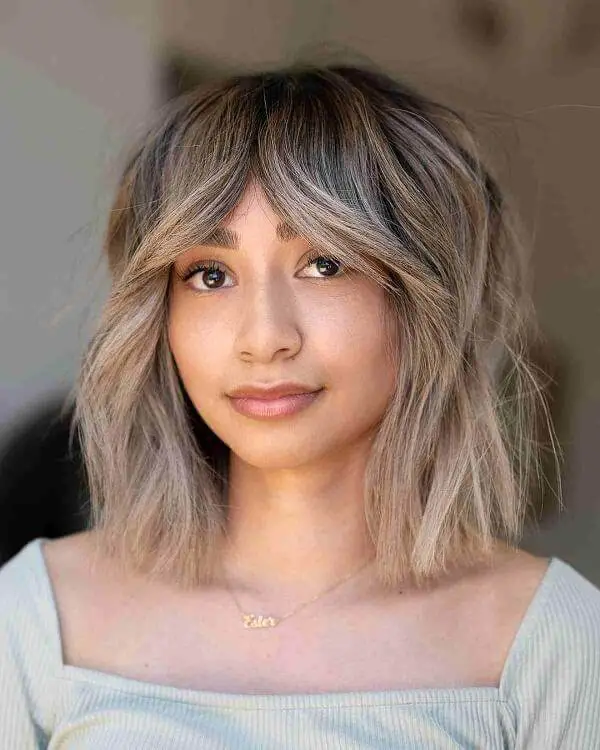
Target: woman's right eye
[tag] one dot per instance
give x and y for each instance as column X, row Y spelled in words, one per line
column 205, row 276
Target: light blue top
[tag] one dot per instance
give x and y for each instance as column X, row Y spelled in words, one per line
column 548, row 696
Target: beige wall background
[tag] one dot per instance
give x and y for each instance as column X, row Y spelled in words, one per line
column 77, row 78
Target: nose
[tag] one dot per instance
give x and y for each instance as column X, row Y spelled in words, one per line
column 268, row 325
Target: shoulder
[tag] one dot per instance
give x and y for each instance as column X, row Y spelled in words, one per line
column 573, row 607
column 552, row 673
column 562, row 622
column 93, row 595
column 72, row 567
column 23, row 586
column 29, row 585
column 570, row 621
column 51, row 590
column 484, row 609
column 29, row 645
column 68, row 558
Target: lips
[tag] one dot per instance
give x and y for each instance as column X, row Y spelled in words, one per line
column 270, row 393
column 271, row 407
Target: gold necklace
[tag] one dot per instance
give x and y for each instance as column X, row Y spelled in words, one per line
column 268, row 621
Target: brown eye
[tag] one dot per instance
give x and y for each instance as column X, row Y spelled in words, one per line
column 325, row 265
column 206, row 276
column 212, row 277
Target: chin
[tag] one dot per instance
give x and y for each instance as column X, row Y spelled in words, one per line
column 278, row 454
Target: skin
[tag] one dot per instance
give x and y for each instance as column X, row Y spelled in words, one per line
column 296, row 520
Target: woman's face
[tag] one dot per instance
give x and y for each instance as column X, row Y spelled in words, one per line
column 264, row 314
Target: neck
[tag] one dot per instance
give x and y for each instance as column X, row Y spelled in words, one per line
column 294, row 533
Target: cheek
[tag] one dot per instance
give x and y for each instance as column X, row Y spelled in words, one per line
column 358, row 333
column 371, row 373
column 197, row 351
column 355, row 345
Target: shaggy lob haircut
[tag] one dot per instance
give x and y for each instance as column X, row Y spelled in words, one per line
column 391, row 184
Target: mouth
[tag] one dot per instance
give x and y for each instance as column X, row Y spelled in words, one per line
column 267, row 406
column 271, row 391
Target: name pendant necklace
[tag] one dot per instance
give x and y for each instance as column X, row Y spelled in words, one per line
column 251, row 620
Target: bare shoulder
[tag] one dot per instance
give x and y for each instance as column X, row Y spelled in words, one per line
column 491, row 604
column 67, row 549
column 88, row 590
column 519, row 572
column 506, row 583
column 507, row 586
column 72, row 562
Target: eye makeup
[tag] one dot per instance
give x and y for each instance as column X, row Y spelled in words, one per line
column 213, row 266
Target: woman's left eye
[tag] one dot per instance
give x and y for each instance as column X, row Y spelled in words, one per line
column 331, row 267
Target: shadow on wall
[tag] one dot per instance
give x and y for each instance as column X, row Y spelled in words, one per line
column 42, row 487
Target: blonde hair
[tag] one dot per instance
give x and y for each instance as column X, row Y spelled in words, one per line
column 391, row 183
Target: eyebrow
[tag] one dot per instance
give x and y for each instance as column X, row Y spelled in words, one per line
column 227, row 238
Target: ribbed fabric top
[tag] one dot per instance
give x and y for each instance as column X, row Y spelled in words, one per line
column 548, row 696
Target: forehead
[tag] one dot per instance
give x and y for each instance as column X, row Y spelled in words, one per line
column 253, row 203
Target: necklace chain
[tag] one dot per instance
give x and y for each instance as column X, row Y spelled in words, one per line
column 262, row 621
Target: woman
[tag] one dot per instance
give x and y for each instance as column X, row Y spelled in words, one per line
column 307, row 420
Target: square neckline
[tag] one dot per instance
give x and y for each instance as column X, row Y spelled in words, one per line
column 271, row 701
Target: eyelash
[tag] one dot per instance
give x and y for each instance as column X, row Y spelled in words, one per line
column 213, row 265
